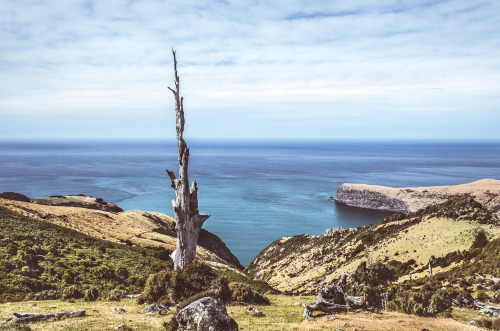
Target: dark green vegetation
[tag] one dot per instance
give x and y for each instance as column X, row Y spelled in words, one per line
column 14, row 196
column 197, row 280
column 179, row 288
column 38, row 256
column 433, row 296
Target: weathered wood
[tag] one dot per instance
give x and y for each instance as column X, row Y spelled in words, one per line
column 189, row 221
column 335, row 299
column 26, row 318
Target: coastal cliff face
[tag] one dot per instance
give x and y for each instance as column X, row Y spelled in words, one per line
column 485, row 191
column 350, row 195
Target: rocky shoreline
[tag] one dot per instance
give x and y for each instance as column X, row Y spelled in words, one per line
column 410, row 199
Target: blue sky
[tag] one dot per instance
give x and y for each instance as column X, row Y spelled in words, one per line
column 250, row 69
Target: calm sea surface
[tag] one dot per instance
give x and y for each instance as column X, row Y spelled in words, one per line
column 256, row 192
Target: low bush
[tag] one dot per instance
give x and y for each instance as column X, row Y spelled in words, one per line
column 91, row 294
column 169, row 287
column 71, row 292
column 116, row 294
column 241, row 293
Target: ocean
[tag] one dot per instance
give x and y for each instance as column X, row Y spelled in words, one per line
column 256, row 191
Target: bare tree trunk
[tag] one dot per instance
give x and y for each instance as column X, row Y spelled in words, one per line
column 25, row 318
column 335, row 299
column 187, row 216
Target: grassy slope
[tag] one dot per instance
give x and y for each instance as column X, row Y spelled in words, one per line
column 146, row 229
column 301, row 264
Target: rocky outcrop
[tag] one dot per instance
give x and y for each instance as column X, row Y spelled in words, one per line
column 351, row 195
column 205, row 314
column 14, row 196
column 484, row 191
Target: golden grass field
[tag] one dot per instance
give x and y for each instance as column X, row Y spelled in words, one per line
column 283, row 314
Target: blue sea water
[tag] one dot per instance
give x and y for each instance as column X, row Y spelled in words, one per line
column 256, row 191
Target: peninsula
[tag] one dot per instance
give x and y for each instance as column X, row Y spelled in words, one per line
column 411, row 199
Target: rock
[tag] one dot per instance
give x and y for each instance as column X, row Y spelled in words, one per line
column 14, row 196
column 119, row 310
column 131, row 296
column 330, row 317
column 487, row 310
column 155, row 308
column 205, row 314
column 253, row 311
column 121, row 327
column 332, row 231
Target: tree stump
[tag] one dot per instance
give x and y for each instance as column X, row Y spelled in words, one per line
column 335, row 299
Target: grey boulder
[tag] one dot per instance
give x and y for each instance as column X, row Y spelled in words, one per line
column 205, row 314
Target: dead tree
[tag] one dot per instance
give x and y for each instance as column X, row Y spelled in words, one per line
column 335, row 299
column 28, row 318
column 187, row 216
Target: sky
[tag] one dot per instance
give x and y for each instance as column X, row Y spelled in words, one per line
column 254, row 69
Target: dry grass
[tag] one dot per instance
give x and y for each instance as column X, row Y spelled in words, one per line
column 100, row 315
column 283, row 314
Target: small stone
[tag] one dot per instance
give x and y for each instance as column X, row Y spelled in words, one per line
column 119, row 310
column 155, row 308
column 329, row 317
column 121, row 327
column 252, row 310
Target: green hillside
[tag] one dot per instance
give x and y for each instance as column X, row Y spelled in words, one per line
column 36, row 255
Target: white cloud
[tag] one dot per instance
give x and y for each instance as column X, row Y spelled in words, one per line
column 273, row 59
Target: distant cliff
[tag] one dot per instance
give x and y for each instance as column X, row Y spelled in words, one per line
column 484, row 191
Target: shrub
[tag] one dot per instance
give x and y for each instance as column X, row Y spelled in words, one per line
column 43, row 295
column 482, row 296
column 121, row 272
column 241, row 293
column 173, row 286
column 463, row 299
column 92, row 294
column 440, row 303
column 71, row 292
column 484, row 323
column 68, row 277
column 480, row 240
column 495, row 325
column 223, row 292
column 116, row 294
column 6, row 266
